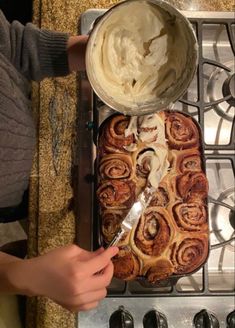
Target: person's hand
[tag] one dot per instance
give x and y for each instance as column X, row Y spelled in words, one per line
column 76, row 49
column 70, row 276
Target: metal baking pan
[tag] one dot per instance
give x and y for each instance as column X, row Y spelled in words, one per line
column 100, row 114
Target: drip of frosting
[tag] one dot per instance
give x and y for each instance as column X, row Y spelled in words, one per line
column 159, row 166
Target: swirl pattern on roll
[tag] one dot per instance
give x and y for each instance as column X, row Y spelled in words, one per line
column 188, row 255
column 192, row 186
column 161, row 197
column 187, row 161
column 181, row 131
column 116, row 194
column 143, row 162
column 153, row 231
column 112, row 138
column 111, row 222
column 190, row 216
column 115, row 166
column 152, row 164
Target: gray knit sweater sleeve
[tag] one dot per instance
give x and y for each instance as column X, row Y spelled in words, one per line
column 35, row 53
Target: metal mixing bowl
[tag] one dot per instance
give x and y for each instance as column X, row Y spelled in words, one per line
column 170, row 95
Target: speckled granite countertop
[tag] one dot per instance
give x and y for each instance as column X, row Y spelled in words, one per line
column 52, row 220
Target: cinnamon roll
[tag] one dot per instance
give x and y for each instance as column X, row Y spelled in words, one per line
column 153, row 232
column 112, row 138
column 151, row 129
column 152, row 164
column 126, row 264
column 189, row 254
column 111, row 222
column 161, row 196
column 190, row 216
column 186, row 161
column 181, row 131
column 160, row 270
column 116, row 194
column 143, row 162
column 192, row 186
column 115, row 166
column 147, row 129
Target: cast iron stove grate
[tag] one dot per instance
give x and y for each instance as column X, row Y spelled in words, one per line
column 206, row 105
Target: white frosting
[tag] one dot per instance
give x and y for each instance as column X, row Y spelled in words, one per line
column 131, row 148
column 150, row 129
column 157, row 163
column 159, row 166
column 138, row 53
column 132, row 127
column 147, row 128
column 156, row 128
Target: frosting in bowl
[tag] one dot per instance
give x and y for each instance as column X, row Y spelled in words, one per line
column 138, row 52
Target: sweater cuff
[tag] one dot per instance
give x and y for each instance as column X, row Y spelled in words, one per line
column 53, row 53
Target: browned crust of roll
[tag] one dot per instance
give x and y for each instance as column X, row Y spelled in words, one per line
column 116, row 194
column 160, row 270
column 181, row 131
column 112, row 138
column 111, row 222
column 190, row 216
column 184, row 161
column 126, row 264
column 164, row 195
column 115, row 166
column 189, row 254
column 153, row 232
column 192, row 186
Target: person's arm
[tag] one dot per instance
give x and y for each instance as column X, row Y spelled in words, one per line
column 39, row 53
column 76, row 49
column 72, row 277
column 5, row 261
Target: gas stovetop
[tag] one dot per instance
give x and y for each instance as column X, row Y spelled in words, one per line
column 206, row 298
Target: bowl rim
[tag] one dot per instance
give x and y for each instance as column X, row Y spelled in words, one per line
column 148, row 107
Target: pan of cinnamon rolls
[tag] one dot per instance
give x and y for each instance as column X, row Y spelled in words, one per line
column 171, row 238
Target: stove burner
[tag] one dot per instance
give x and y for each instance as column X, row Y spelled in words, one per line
column 232, row 218
column 223, row 214
column 221, row 86
column 228, row 89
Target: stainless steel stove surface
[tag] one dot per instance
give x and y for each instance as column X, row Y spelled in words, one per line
column 206, row 298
